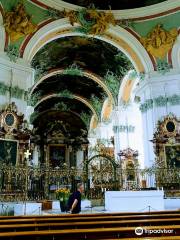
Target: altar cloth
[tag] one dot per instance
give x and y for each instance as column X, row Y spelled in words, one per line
column 132, row 201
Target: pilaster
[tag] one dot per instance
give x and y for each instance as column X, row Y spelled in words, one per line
column 159, row 96
column 19, row 75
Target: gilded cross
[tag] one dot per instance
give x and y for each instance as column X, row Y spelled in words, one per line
column 27, row 154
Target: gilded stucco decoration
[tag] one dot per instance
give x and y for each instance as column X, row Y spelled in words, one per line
column 91, row 21
column 159, row 41
column 18, row 23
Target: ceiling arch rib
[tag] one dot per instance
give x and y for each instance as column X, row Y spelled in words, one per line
column 79, row 98
column 150, row 10
column 86, row 73
column 121, row 39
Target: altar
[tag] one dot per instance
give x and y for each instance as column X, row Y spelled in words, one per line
column 134, row 201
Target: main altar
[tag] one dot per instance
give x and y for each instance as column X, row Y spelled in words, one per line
column 33, row 166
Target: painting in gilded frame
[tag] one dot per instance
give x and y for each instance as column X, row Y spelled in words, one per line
column 172, row 154
column 8, row 151
column 57, row 155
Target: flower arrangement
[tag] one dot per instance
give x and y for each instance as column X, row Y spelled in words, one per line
column 62, row 194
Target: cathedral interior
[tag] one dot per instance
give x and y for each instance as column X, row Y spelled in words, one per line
column 89, row 92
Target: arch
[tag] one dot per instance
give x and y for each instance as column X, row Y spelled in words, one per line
column 86, row 73
column 126, row 88
column 116, row 36
column 46, row 111
column 148, row 12
column 79, row 98
column 175, row 54
column 2, row 31
column 93, row 123
column 106, row 110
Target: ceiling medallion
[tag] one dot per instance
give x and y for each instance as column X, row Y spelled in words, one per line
column 159, row 41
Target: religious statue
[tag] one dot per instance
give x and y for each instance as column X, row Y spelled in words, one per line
column 159, row 41
column 91, row 21
column 18, row 23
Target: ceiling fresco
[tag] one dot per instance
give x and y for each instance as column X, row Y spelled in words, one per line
column 85, row 54
column 114, row 4
column 88, row 53
column 78, row 85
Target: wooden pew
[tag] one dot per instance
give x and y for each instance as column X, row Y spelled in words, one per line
column 80, row 234
column 148, row 238
column 94, row 214
column 76, row 218
column 84, row 225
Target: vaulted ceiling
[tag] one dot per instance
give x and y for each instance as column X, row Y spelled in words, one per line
column 114, row 4
column 71, row 97
column 86, row 54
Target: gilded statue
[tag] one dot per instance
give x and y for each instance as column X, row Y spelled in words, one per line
column 159, row 41
column 18, row 23
column 91, row 21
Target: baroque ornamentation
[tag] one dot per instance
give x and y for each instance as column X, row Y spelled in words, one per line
column 66, row 94
column 160, row 102
column 54, row 14
column 34, row 98
column 3, row 88
column 97, row 104
column 124, row 128
column 12, row 52
column 13, row 125
column 86, row 118
column 163, row 67
column 148, row 104
column 18, row 23
column 15, row 91
column 113, row 83
column 91, row 21
column 73, row 70
column 61, row 106
column 174, row 99
column 159, row 41
column 167, row 142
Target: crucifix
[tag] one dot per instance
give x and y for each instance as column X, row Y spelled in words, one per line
column 27, row 154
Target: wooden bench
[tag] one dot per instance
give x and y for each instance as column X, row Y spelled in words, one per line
column 147, row 238
column 83, row 225
column 80, row 234
column 96, row 214
column 76, row 218
column 91, row 226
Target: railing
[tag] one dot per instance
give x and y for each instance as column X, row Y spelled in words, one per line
column 27, row 183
